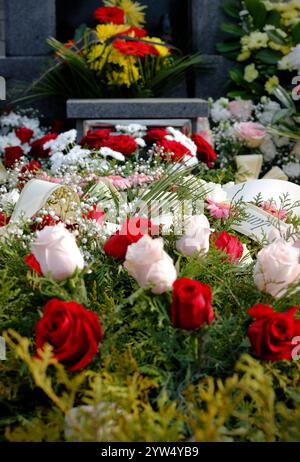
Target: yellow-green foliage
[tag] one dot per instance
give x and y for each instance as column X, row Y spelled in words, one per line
column 250, row 405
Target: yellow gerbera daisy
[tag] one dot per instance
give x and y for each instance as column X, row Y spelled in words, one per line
column 106, row 31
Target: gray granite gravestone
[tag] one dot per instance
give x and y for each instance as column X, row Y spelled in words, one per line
column 149, row 108
column 207, row 17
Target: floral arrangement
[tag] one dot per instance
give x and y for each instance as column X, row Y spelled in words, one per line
column 242, row 127
column 134, row 328
column 265, row 40
column 117, row 58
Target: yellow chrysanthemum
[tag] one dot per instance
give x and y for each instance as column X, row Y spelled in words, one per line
column 285, row 49
column 271, row 83
column 134, row 12
column 97, row 56
column 162, row 50
column 116, row 57
column 250, row 73
column 255, row 41
column 106, row 31
column 126, row 76
column 244, row 55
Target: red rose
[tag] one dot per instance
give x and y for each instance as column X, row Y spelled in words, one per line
column 121, row 143
column 137, row 31
column 112, row 14
column 24, row 134
column 4, row 219
column 231, row 245
column 134, row 48
column 132, row 231
column 11, row 155
column 205, row 152
column 72, row 330
column 271, row 333
column 174, row 150
column 33, row 263
column 191, row 305
column 94, row 139
column 155, row 134
column 37, row 147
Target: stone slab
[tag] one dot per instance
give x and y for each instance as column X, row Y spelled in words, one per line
column 28, row 24
column 137, row 108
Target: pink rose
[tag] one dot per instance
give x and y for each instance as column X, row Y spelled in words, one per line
column 241, row 109
column 251, row 133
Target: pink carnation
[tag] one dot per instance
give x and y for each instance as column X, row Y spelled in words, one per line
column 218, row 210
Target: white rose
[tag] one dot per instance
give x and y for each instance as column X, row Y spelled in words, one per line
column 147, row 262
column 277, row 267
column 56, row 251
column 196, row 238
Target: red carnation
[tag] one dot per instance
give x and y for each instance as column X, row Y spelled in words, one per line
column 174, row 150
column 134, row 48
column 110, row 14
column 73, row 331
column 271, row 334
column 11, row 155
column 24, row 134
column 132, row 231
column 37, row 147
column 33, row 263
column 191, row 306
column 230, row 245
column 205, row 152
column 94, row 139
column 154, row 135
column 121, row 143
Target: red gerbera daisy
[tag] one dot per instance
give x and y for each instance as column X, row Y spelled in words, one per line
column 107, row 14
column 134, row 48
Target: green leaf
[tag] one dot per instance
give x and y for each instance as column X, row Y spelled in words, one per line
column 269, row 56
column 239, row 94
column 282, row 115
column 232, row 10
column 233, row 29
column 224, row 47
column 79, row 32
column 296, row 34
column 276, row 37
column 273, row 18
column 258, row 12
column 282, row 95
column 236, row 75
